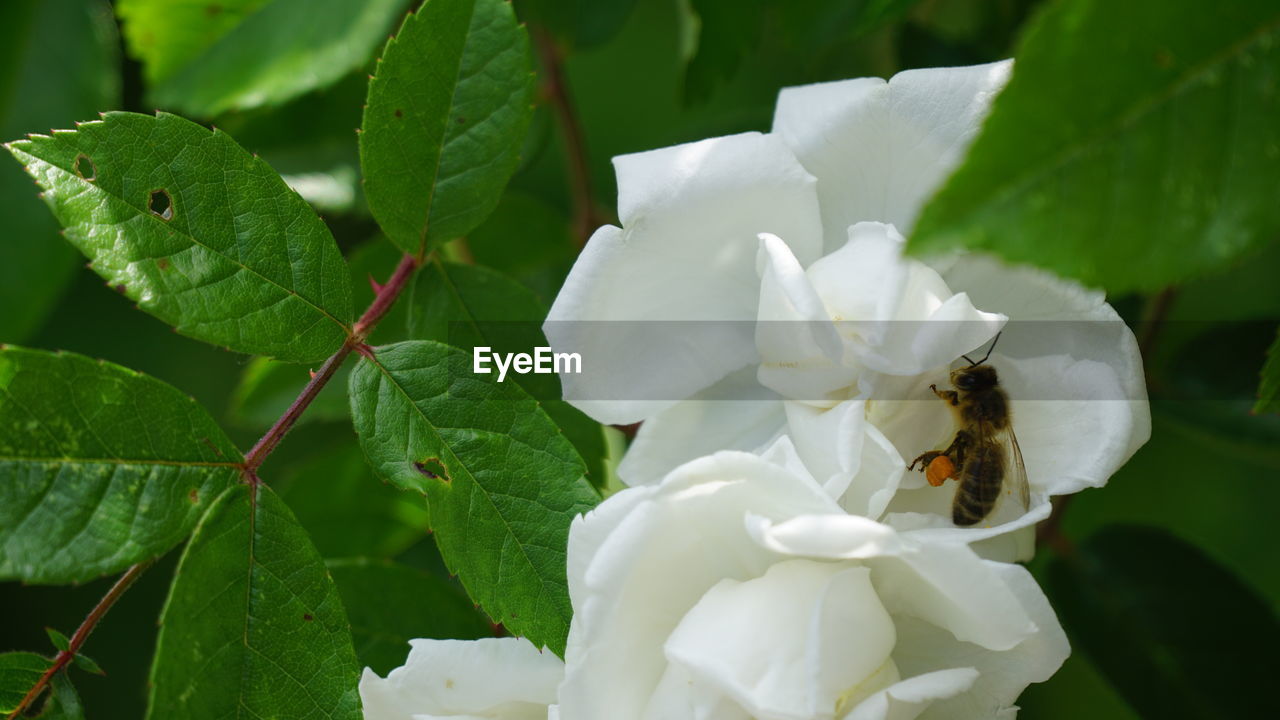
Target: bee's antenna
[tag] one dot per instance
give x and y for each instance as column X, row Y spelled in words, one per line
column 984, row 357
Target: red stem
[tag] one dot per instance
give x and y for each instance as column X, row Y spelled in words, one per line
column 82, row 633
column 555, row 88
column 382, row 302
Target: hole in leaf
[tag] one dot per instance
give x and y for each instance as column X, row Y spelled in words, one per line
column 194, row 496
column 307, row 617
column 434, row 469
column 160, row 204
column 85, row 168
column 399, row 112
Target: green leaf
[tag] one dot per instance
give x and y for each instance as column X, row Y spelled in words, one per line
column 1269, row 389
column 253, row 625
column 59, row 640
column 19, row 672
column 100, row 467
column 1165, row 624
column 268, row 387
column 347, row 511
column 62, row 702
column 468, row 306
column 201, row 234
column 88, row 664
column 59, row 63
column 272, row 52
column 502, row 483
column 1125, row 160
column 390, row 604
column 437, row 147
column 166, row 35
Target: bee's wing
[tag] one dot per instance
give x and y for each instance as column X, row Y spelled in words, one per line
column 1016, row 472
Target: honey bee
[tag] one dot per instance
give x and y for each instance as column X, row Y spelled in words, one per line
column 984, row 455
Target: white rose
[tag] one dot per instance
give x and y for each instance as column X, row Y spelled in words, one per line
column 493, row 679
column 791, row 242
column 737, row 589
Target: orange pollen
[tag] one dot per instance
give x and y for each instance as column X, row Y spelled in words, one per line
column 939, row 470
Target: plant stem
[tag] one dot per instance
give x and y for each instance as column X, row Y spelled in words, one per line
column 577, row 166
column 385, row 298
column 382, row 302
column 82, row 633
column 1153, row 318
column 259, row 452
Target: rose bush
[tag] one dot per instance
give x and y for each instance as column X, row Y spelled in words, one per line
column 737, row 588
column 787, row 249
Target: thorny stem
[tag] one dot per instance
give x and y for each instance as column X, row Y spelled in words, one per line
column 82, row 633
column 555, row 89
column 386, row 297
column 383, row 300
column 1153, row 319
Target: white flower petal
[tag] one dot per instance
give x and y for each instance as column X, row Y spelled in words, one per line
column 829, row 442
column 945, row 584
column 1002, row 676
column 800, row 351
column 878, row 149
column 898, row 315
column 501, row 678
column 691, row 215
column 951, row 587
column 654, row 551
column 824, row 536
column 682, row 697
column 817, row 630
column 736, row 413
column 905, row 700
column 878, row 478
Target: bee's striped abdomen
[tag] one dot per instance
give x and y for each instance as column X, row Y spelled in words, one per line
column 980, row 481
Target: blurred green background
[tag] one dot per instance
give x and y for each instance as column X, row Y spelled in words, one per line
column 638, row 74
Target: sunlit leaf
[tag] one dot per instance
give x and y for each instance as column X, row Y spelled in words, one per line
column 254, row 626
column 197, row 231
column 1126, row 159
column 100, row 467
column 468, row 306
column 19, row 672
column 437, row 146
column 502, row 482
column 208, row 57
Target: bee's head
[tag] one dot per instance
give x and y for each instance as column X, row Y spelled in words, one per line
column 974, row 377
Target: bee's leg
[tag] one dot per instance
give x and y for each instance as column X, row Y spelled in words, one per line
column 925, row 459
column 951, row 397
column 959, row 446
